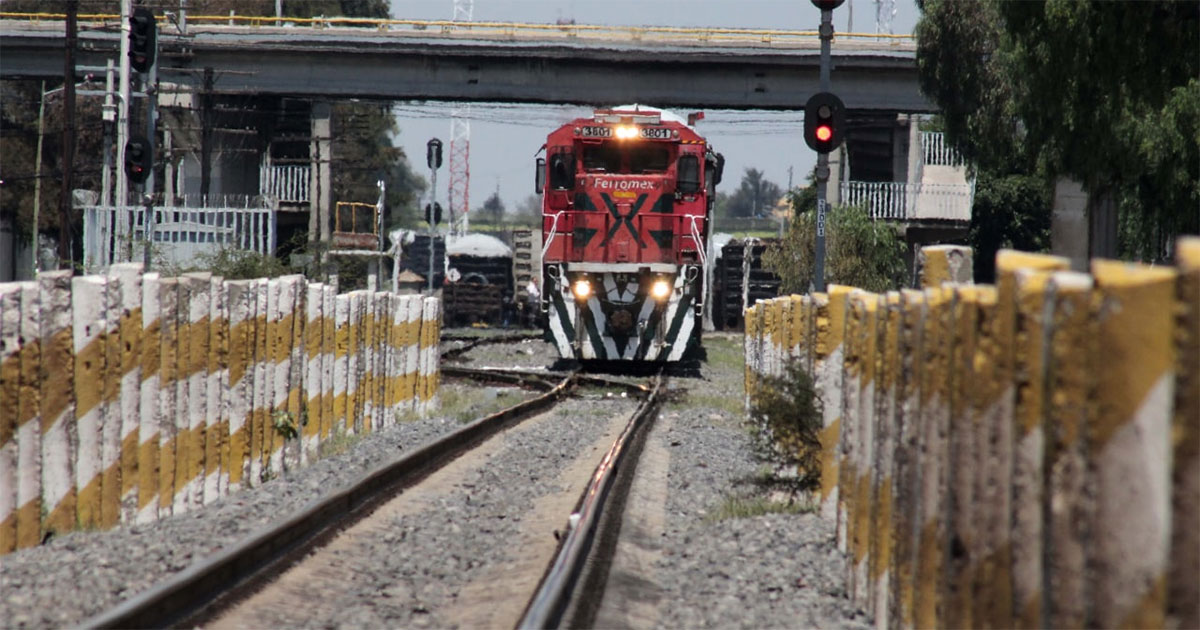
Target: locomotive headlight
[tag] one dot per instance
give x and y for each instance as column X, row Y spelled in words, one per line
column 660, row 289
column 625, row 132
column 582, row 289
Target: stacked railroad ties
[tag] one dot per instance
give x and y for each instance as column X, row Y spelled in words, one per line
column 130, row 397
column 1019, row 455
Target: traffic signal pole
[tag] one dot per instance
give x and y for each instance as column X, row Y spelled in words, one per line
column 826, row 33
column 122, row 184
column 150, row 86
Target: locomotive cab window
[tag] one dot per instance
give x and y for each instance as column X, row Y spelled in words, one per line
column 649, row 158
column 562, row 171
column 688, row 175
column 602, row 157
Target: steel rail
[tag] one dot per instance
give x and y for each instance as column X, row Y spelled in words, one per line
column 558, row 592
column 190, row 593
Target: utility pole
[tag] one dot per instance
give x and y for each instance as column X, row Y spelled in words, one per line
column 37, row 182
column 150, row 86
column 206, row 125
column 64, row 204
column 122, row 188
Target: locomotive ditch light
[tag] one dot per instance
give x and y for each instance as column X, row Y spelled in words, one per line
column 626, row 133
column 660, row 289
column 582, row 289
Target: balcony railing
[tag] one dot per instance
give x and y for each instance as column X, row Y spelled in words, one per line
column 937, row 151
column 287, row 184
column 911, row 202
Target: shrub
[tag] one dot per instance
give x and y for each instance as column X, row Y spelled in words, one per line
column 785, row 422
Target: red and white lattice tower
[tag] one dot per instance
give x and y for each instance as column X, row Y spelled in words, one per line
column 460, row 169
column 460, row 147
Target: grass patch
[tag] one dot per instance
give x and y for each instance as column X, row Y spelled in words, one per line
column 338, row 443
column 465, row 404
column 740, row 506
column 725, row 352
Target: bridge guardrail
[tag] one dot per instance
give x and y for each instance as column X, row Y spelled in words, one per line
column 1025, row 454
column 128, row 397
column 505, row 29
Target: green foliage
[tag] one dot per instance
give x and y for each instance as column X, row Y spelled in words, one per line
column 492, row 210
column 364, row 154
column 240, row 264
column 1105, row 93
column 738, row 506
column 859, row 251
column 285, row 424
column 755, row 197
column 785, row 424
column 1010, row 212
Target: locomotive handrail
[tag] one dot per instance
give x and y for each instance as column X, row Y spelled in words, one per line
column 553, row 233
column 696, row 238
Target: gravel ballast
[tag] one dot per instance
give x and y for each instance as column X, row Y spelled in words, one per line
column 774, row 570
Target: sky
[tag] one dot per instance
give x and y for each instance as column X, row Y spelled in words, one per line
column 505, row 137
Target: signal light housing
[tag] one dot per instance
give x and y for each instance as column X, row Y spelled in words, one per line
column 827, row 5
column 143, row 33
column 824, row 122
column 139, row 159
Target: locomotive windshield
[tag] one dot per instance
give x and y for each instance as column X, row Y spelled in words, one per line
column 630, row 159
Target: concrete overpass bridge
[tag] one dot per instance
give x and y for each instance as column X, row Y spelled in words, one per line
column 482, row 61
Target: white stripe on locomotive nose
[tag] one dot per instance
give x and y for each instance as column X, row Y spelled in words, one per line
column 610, row 346
column 610, row 286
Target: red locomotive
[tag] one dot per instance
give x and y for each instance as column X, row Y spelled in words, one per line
column 627, row 199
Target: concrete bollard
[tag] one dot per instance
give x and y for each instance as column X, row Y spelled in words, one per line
column 341, row 367
column 938, row 264
column 314, row 401
column 241, row 374
column 828, row 332
column 933, row 454
column 10, row 394
column 329, row 338
column 847, row 439
column 1183, row 594
column 29, row 419
column 905, row 478
column 261, row 385
column 1129, row 444
column 90, row 329
column 1070, row 364
column 1028, row 474
column 865, row 312
column 196, row 289
column 57, row 403
column 965, row 452
column 997, row 577
column 412, row 351
column 882, row 535
column 169, row 389
column 125, row 281
column 216, row 442
column 430, row 332
column 149, row 401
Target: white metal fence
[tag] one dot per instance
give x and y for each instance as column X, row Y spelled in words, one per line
column 288, row 184
column 908, row 202
column 180, row 234
column 937, row 151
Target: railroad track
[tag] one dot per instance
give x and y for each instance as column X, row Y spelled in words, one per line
column 207, row 590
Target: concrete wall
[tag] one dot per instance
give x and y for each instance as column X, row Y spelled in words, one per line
column 129, row 397
column 1023, row 455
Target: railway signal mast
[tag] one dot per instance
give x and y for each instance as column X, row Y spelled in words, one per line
column 824, row 131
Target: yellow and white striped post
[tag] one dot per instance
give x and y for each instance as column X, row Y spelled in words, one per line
column 370, row 355
column 1071, row 360
column 997, row 577
column 750, row 345
column 847, row 440
column 29, row 420
column 341, row 367
column 328, row 356
column 964, row 443
column 937, row 264
column 1130, row 443
column 937, row 348
column 905, row 485
column 10, row 394
column 412, row 350
column 801, row 338
column 430, row 333
column 89, row 308
column 354, row 364
column 293, row 292
column 883, row 462
column 1028, row 475
column 216, row 438
column 241, row 376
column 149, row 403
column 279, row 302
column 829, row 327
column 1183, row 595
column 57, row 402
column 169, row 387
column 314, row 399
column 125, row 279
column 263, row 385
column 195, row 289
column 865, row 311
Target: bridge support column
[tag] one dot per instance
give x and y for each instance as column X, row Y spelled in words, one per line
column 320, row 194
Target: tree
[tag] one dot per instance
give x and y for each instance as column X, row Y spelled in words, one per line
column 529, row 212
column 754, row 197
column 492, row 210
column 1010, row 212
column 859, row 251
column 1105, row 93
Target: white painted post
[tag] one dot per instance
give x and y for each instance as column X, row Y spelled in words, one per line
column 148, row 401
column 57, row 403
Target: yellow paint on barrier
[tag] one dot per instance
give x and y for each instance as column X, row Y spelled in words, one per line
column 1183, row 602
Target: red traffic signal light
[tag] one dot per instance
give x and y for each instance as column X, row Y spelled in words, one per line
column 824, row 122
column 143, row 32
column 139, row 159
